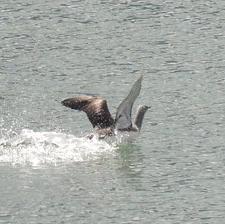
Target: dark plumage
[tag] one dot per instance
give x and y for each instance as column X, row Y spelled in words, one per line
column 95, row 107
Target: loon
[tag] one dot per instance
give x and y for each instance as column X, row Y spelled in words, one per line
column 98, row 113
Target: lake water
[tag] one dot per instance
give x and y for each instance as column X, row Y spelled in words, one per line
column 174, row 172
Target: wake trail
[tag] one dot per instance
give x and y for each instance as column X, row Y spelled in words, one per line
column 36, row 148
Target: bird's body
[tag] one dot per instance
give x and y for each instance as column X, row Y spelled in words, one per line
column 98, row 113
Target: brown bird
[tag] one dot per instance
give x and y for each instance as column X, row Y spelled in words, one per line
column 98, row 113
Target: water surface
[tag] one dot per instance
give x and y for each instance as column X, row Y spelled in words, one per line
column 173, row 172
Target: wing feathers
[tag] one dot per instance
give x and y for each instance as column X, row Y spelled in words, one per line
column 123, row 114
column 95, row 107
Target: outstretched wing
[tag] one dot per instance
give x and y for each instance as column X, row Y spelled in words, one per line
column 123, row 114
column 95, row 107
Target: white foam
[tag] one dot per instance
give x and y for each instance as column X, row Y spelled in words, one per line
column 36, row 148
column 125, row 137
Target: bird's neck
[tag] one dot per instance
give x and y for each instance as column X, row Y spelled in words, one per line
column 139, row 118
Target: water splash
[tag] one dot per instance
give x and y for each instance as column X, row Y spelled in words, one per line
column 36, row 148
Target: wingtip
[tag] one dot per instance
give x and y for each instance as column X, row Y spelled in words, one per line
column 140, row 78
column 66, row 103
column 63, row 102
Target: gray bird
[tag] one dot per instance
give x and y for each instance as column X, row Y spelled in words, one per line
column 98, row 113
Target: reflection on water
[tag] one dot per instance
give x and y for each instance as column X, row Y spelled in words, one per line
column 130, row 160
